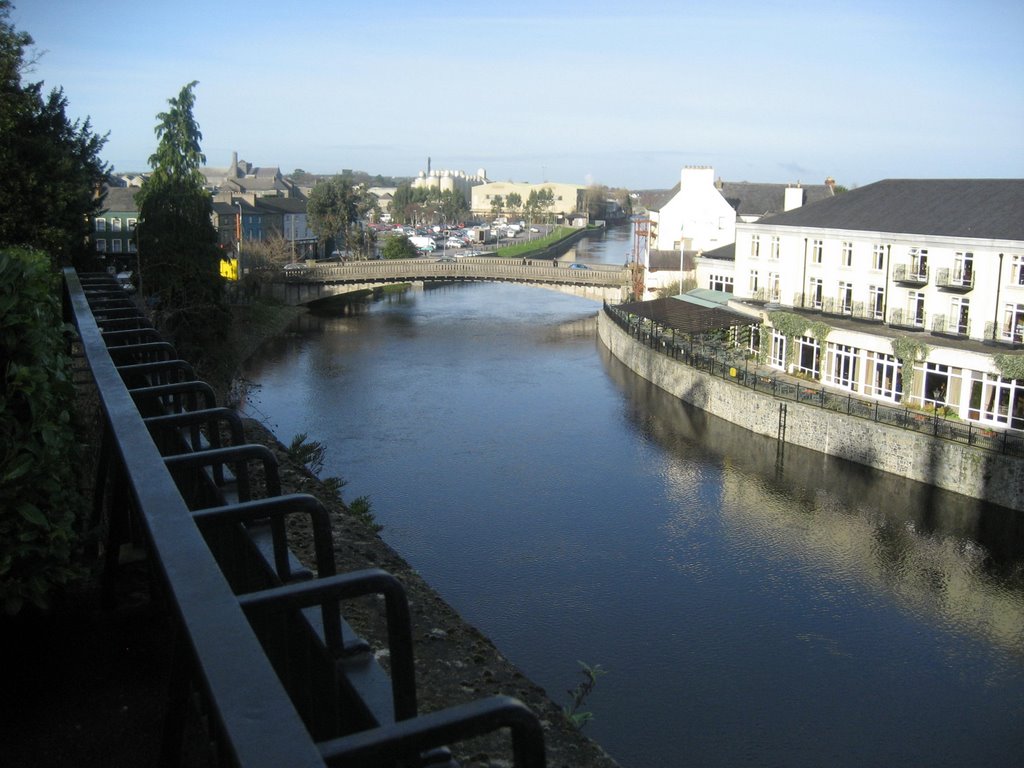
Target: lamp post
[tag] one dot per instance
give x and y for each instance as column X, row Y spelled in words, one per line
column 238, row 235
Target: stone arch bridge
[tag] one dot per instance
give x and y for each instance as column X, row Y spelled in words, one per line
column 318, row 282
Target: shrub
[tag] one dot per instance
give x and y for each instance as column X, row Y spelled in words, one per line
column 39, row 501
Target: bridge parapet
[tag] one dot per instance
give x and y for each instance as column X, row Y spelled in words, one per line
column 473, row 267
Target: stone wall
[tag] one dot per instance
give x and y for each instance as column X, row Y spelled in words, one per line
column 949, row 465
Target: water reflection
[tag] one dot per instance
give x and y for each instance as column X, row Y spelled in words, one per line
column 744, row 605
column 958, row 559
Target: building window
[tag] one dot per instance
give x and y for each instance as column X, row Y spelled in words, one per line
column 774, row 287
column 115, row 224
column 846, row 298
column 996, row 400
column 755, row 246
column 753, row 282
column 775, row 247
column 132, row 248
column 841, row 368
column 720, row 283
column 919, row 263
column 115, row 246
column 878, row 257
column 915, row 308
column 101, row 225
column 1013, row 323
column 755, row 339
column 963, row 268
column 883, row 376
column 1018, row 269
column 101, row 246
column 808, row 352
column 817, row 248
column 131, row 224
column 936, row 384
column 816, row 292
column 960, row 316
column 876, row 302
column 777, row 358
column 847, row 254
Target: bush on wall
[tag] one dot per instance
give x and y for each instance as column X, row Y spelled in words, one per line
column 39, row 500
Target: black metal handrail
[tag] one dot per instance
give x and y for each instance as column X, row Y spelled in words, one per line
column 269, row 702
column 729, row 365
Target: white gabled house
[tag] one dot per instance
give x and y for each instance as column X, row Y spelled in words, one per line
column 928, row 273
column 702, row 212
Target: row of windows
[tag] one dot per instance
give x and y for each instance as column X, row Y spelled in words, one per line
column 975, row 395
column 116, row 246
column 963, row 261
column 115, row 224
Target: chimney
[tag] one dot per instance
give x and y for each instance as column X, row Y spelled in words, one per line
column 794, row 198
column 234, row 166
column 719, row 184
column 831, row 184
column 428, row 166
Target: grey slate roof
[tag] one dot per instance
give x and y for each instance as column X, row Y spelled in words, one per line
column 977, row 208
column 754, row 199
column 120, row 199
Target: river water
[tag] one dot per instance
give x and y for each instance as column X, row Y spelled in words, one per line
column 749, row 610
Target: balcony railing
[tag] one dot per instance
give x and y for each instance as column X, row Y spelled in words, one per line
column 901, row 318
column 951, row 326
column 954, row 279
column 910, row 274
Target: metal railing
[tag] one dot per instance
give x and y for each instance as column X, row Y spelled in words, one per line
column 262, row 639
column 733, row 365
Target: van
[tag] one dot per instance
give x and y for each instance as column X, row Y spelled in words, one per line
column 423, row 243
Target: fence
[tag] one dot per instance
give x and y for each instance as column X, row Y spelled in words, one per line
column 261, row 640
column 732, row 364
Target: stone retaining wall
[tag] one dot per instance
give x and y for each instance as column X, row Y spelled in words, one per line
column 952, row 466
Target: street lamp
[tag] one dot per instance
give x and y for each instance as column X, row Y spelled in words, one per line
column 238, row 236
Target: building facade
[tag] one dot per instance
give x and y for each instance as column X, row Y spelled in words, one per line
column 701, row 214
column 908, row 291
column 113, row 228
column 567, row 198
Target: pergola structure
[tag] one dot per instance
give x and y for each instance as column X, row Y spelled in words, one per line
column 688, row 317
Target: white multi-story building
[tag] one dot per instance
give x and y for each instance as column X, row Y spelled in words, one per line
column 702, row 212
column 928, row 273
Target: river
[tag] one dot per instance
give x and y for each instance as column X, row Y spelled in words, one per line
column 748, row 609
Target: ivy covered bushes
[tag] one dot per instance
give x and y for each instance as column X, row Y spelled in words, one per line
column 39, row 501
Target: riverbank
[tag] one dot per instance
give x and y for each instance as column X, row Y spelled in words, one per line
column 952, row 466
column 88, row 685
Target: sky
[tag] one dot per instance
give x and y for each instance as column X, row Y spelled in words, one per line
column 596, row 92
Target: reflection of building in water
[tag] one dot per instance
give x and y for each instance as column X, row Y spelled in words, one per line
column 938, row 552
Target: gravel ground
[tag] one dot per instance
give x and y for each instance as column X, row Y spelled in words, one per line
column 86, row 687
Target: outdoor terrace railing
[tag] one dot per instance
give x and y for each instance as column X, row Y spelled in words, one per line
column 733, row 365
column 282, row 677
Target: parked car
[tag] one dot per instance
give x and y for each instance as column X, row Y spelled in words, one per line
column 454, row 242
column 578, row 266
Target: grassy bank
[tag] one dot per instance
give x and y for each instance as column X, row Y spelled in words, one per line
column 529, row 246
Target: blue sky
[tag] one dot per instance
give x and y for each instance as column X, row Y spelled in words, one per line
column 623, row 94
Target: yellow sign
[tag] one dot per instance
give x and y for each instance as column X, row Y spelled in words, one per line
column 229, row 269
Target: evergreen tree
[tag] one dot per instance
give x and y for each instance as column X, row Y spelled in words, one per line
column 50, row 165
column 177, row 240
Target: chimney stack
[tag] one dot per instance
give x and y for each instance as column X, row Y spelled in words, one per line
column 831, row 184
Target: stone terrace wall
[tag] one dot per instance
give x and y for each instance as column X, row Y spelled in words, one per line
column 952, row 466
